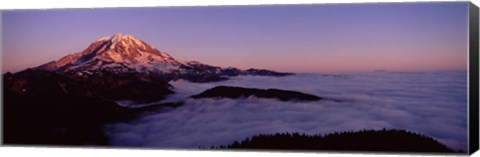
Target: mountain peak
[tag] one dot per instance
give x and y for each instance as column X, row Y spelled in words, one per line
column 120, row 48
column 119, row 37
column 124, row 48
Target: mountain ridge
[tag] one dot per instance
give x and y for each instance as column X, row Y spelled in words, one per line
column 125, row 53
column 237, row 92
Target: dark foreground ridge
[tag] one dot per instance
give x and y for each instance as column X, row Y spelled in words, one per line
column 365, row 140
column 43, row 107
column 236, row 92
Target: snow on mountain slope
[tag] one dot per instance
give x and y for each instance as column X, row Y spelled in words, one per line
column 117, row 51
column 125, row 53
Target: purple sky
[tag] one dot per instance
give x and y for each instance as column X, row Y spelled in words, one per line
column 296, row 38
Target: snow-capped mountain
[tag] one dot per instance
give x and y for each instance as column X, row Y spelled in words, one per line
column 107, row 82
column 118, row 51
column 124, row 53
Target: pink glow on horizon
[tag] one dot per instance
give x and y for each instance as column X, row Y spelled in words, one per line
column 310, row 38
column 356, row 59
column 343, row 59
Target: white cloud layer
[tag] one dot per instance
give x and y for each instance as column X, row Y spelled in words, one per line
column 434, row 104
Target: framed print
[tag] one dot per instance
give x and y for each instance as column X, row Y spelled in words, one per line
column 358, row 77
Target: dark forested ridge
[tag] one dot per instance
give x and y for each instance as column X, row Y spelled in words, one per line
column 365, row 140
column 236, row 92
column 43, row 107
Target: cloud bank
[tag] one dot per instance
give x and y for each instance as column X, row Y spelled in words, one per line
column 433, row 103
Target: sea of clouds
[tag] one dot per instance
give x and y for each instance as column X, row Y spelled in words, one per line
column 430, row 103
